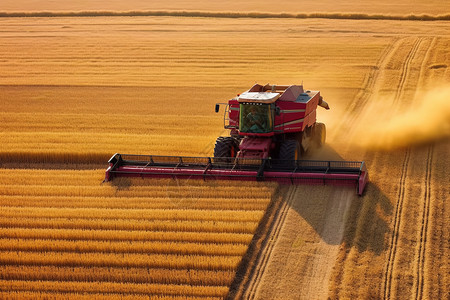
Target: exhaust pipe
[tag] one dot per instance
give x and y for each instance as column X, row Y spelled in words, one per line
column 323, row 104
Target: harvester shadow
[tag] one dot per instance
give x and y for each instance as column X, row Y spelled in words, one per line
column 338, row 215
column 366, row 226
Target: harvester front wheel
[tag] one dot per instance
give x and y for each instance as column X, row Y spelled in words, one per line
column 320, row 134
column 226, row 147
column 290, row 150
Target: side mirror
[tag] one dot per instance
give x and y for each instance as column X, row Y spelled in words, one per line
column 277, row 111
column 217, row 108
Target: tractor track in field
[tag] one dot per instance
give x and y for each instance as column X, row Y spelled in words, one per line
column 370, row 83
column 373, row 83
column 388, row 274
column 424, row 227
column 406, row 69
column 267, row 249
column 389, row 268
column 421, row 81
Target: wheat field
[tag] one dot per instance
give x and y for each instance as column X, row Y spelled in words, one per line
column 75, row 90
column 63, row 233
column 399, row 7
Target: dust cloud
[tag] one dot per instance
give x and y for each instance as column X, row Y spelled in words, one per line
column 427, row 120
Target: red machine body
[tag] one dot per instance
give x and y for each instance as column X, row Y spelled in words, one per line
column 291, row 114
column 297, row 108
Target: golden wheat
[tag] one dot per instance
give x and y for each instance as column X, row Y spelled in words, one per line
column 135, row 214
column 168, row 261
column 20, row 295
column 106, row 287
column 144, row 85
column 129, row 225
column 117, row 274
column 168, row 202
column 66, row 227
column 186, row 248
column 123, row 235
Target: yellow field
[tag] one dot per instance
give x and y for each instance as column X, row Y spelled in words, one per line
column 74, row 91
column 63, row 232
column 123, row 84
column 286, row 6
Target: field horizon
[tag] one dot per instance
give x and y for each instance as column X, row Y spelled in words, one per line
column 383, row 7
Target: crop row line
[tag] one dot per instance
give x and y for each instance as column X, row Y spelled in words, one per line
column 67, row 191
column 267, row 248
column 25, row 294
column 133, row 214
column 389, row 268
column 404, row 75
column 424, row 227
column 117, row 274
column 108, row 287
column 127, row 224
column 71, row 259
column 134, row 202
column 124, row 235
column 39, row 245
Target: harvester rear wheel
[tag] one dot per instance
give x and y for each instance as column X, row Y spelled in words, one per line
column 320, row 134
column 290, row 150
column 226, row 147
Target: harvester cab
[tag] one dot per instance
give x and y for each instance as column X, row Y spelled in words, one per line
column 271, row 127
column 272, row 121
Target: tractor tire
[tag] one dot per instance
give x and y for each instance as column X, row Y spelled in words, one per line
column 320, row 134
column 225, row 148
column 290, row 151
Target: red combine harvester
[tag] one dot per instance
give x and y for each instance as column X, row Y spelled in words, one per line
column 270, row 129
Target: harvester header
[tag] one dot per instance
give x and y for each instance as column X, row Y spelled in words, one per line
column 341, row 173
column 271, row 128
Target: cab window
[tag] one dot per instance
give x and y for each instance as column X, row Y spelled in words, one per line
column 255, row 118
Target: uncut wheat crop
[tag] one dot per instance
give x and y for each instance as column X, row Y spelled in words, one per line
column 64, row 232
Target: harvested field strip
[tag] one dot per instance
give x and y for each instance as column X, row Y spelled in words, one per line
column 123, row 235
column 111, row 274
column 214, row 14
column 133, row 214
column 388, row 273
column 131, row 225
column 405, row 71
column 81, row 246
column 168, row 261
column 106, row 287
column 134, row 202
column 424, row 227
column 251, row 285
